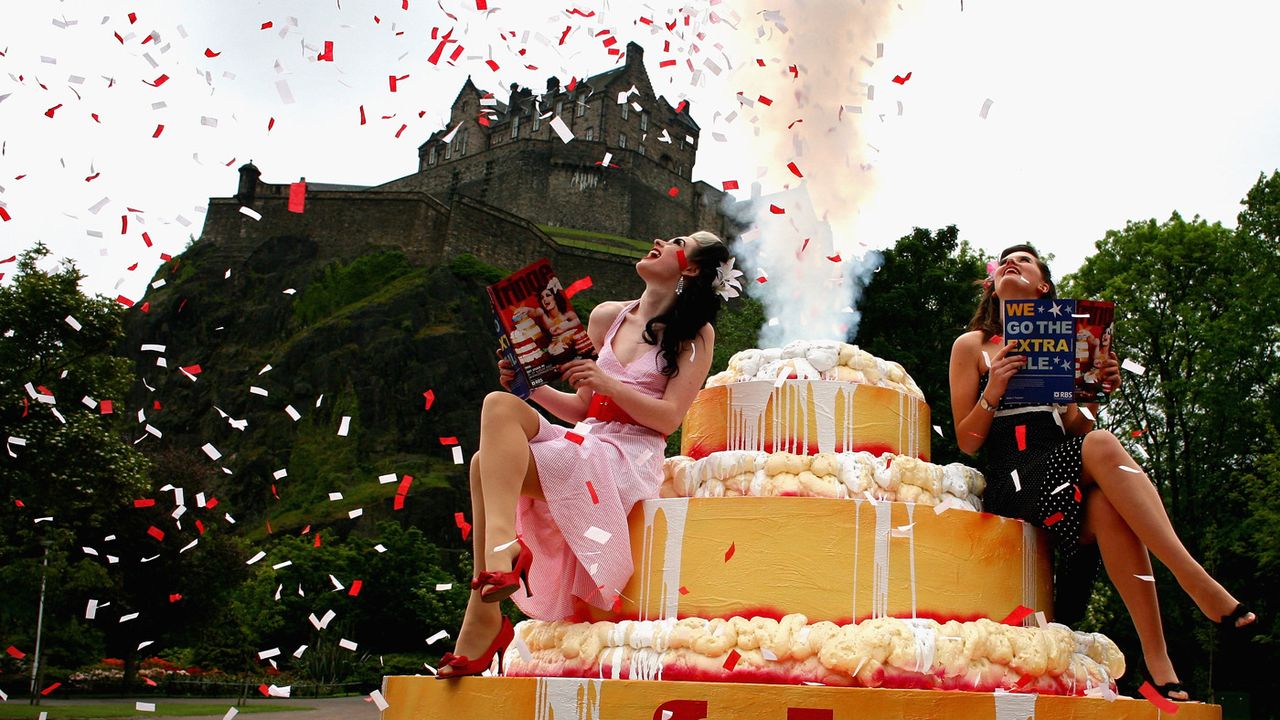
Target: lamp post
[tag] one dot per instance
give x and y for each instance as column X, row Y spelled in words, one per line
column 35, row 663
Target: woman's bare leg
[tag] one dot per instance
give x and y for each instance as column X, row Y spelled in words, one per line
column 1138, row 502
column 1125, row 558
column 507, row 425
column 481, row 622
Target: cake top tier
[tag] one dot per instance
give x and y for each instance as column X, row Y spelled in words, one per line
column 816, row 359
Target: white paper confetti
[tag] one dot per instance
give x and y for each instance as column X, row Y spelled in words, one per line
column 347, row 644
column 1133, row 367
column 211, row 451
column 250, row 213
column 438, row 636
column 231, row 713
column 986, row 107
column 345, row 426
column 269, row 653
column 441, row 587
column 1017, row 484
column 561, row 129
column 597, row 535
column 1128, row 469
column 144, row 706
column 1148, row 578
column 381, row 702
column 75, row 324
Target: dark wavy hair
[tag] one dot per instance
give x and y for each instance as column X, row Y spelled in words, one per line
column 697, row 305
column 987, row 318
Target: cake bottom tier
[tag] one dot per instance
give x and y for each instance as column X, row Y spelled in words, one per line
column 886, row 652
column 513, row 698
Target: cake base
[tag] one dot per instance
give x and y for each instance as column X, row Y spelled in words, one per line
column 425, row 698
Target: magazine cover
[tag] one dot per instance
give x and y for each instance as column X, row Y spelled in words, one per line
column 537, row 328
column 1064, row 342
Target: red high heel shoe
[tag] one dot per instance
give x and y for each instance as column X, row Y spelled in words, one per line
column 498, row 586
column 463, row 666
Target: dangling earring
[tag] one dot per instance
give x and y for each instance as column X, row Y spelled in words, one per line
column 680, row 285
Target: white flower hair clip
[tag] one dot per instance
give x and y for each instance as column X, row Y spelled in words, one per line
column 726, row 283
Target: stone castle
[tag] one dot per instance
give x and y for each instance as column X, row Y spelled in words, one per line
column 499, row 183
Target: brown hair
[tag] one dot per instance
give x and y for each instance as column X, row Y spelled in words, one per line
column 987, row 317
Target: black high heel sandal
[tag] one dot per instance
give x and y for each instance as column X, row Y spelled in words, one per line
column 1167, row 689
column 1227, row 625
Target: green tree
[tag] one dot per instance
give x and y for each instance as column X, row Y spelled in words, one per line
column 66, row 486
column 1198, row 305
column 916, row 305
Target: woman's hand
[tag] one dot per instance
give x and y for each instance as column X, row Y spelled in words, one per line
column 1003, row 367
column 506, row 373
column 587, row 374
column 1110, row 370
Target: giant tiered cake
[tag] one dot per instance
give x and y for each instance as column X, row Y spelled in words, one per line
column 803, row 539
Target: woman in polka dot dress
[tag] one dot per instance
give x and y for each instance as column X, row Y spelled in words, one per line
column 1048, row 466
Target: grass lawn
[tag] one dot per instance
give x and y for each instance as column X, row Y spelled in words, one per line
column 127, row 709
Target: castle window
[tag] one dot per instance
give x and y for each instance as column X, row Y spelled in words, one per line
column 622, row 140
column 462, row 144
column 640, row 149
column 559, row 108
column 591, row 133
column 580, row 108
column 626, row 111
column 431, row 155
column 537, row 121
column 448, row 151
column 515, row 126
column 644, row 121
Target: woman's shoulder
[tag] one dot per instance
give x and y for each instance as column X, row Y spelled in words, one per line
column 606, row 312
column 971, row 341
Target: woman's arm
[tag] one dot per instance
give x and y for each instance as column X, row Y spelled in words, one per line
column 572, row 407
column 971, row 421
column 1076, row 422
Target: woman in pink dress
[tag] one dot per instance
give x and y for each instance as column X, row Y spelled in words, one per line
column 550, row 505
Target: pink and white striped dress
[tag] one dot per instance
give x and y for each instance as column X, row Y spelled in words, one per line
column 582, row 548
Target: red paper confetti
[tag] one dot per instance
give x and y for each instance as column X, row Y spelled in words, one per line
column 362, row 120
column 1155, row 698
column 149, row 681
column 902, row 79
column 199, row 527
column 49, row 113
column 997, row 339
column 4, row 215
column 666, row 63
column 1020, row 432
column 684, row 590
column 733, row 547
column 15, row 652
column 192, row 369
column 355, row 586
column 449, row 440
column 674, row 191
column 271, row 123
column 156, row 533
column 1053, row 519
column 834, row 258
column 327, row 55
column 732, row 661
column 158, row 81
column 124, row 301
column 297, row 197
column 144, row 502
column 577, row 286
column 430, row 398
column 265, row 25
column 680, row 258
column 482, row 5
column 1079, row 496
column 794, row 170
column 595, row 499
column 209, row 53
column 1020, row 613
column 461, row 521
column 146, row 239
column 617, row 604
column 159, row 129
column 765, row 101
column 51, row 688
column 574, row 437
column 1138, row 433
column 730, row 185
column 105, row 407
column 175, row 597
column 775, row 209
column 392, row 79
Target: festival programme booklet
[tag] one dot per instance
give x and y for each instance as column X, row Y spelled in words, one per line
column 1064, row 342
column 537, row 328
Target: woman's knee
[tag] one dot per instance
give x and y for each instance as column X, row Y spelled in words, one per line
column 1101, row 442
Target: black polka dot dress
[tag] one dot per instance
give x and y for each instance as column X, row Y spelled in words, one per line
column 1047, row 492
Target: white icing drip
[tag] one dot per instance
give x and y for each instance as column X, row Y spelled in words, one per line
column 1030, row 547
column 676, row 511
column 745, row 422
column 926, row 645
column 646, row 665
column 1015, row 706
column 567, row 699
column 880, row 580
column 911, row 548
column 824, row 404
column 857, row 542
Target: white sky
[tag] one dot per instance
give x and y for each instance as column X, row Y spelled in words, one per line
column 1102, row 111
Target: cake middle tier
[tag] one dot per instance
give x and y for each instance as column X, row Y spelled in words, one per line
column 805, row 417
column 839, row 560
